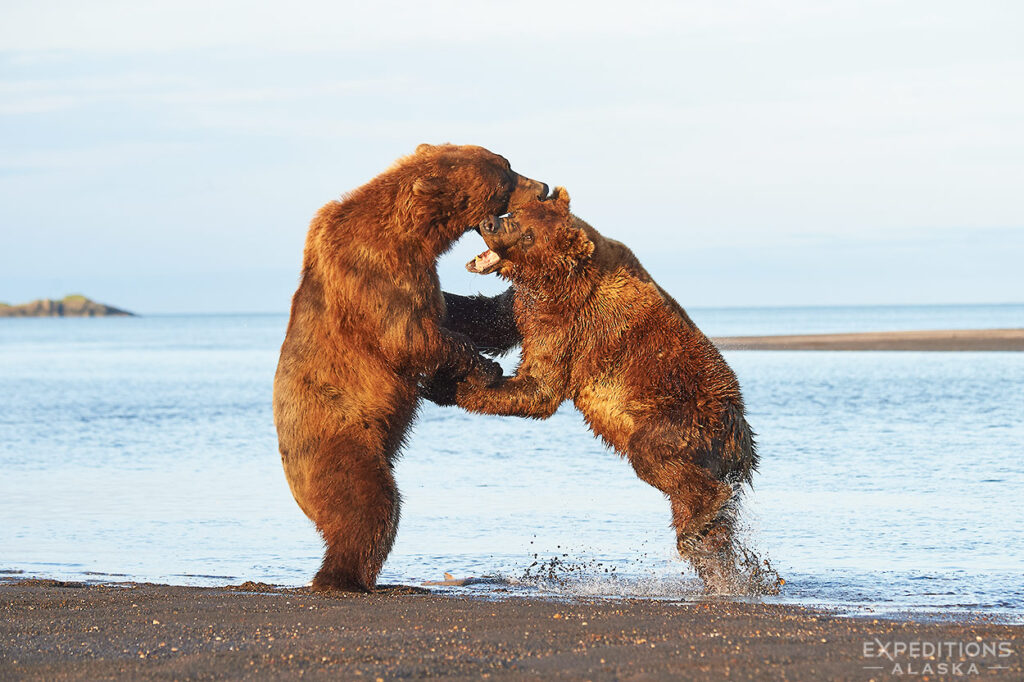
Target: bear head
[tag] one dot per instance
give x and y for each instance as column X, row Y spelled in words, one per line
column 539, row 239
column 449, row 189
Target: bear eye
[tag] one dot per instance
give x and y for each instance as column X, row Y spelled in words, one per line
column 528, row 237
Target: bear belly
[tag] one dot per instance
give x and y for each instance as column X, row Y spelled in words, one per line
column 603, row 405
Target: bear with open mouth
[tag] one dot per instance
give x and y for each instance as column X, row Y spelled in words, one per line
column 599, row 331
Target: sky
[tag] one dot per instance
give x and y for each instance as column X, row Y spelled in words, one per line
column 167, row 157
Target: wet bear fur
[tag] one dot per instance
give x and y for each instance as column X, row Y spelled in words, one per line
column 366, row 329
column 599, row 331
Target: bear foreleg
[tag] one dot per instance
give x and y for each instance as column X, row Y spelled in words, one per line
column 519, row 396
column 489, row 322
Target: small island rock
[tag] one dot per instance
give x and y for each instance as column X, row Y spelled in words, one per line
column 74, row 305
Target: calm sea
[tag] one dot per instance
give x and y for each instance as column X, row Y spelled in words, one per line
column 144, row 449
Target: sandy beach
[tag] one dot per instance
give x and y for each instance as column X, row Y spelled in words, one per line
column 941, row 340
column 59, row 631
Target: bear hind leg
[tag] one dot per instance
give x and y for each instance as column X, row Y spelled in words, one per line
column 357, row 509
column 703, row 506
column 708, row 544
column 662, row 457
column 700, row 504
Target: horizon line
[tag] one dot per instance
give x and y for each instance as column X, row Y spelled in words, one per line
column 695, row 307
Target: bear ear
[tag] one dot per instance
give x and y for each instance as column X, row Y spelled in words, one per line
column 428, row 186
column 420, row 149
column 561, row 195
column 578, row 246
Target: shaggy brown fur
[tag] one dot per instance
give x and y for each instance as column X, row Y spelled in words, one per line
column 365, row 328
column 599, row 331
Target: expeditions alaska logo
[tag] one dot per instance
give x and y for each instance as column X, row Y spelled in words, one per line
column 951, row 659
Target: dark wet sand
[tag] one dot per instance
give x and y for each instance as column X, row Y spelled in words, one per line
column 52, row 631
column 944, row 340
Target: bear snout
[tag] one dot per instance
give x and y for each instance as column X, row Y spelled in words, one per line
column 489, row 225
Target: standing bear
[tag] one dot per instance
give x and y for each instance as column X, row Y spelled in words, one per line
column 366, row 328
column 597, row 330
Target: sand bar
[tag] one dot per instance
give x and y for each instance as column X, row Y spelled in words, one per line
column 55, row 631
column 938, row 340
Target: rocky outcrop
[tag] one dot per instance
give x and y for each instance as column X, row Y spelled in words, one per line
column 75, row 305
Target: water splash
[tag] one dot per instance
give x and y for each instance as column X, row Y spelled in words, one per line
column 739, row 571
column 571, row 572
column 574, row 572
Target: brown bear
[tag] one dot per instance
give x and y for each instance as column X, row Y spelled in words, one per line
column 599, row 331
column 366, row 328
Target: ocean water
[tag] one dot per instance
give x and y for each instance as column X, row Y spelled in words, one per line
column 144, row 449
